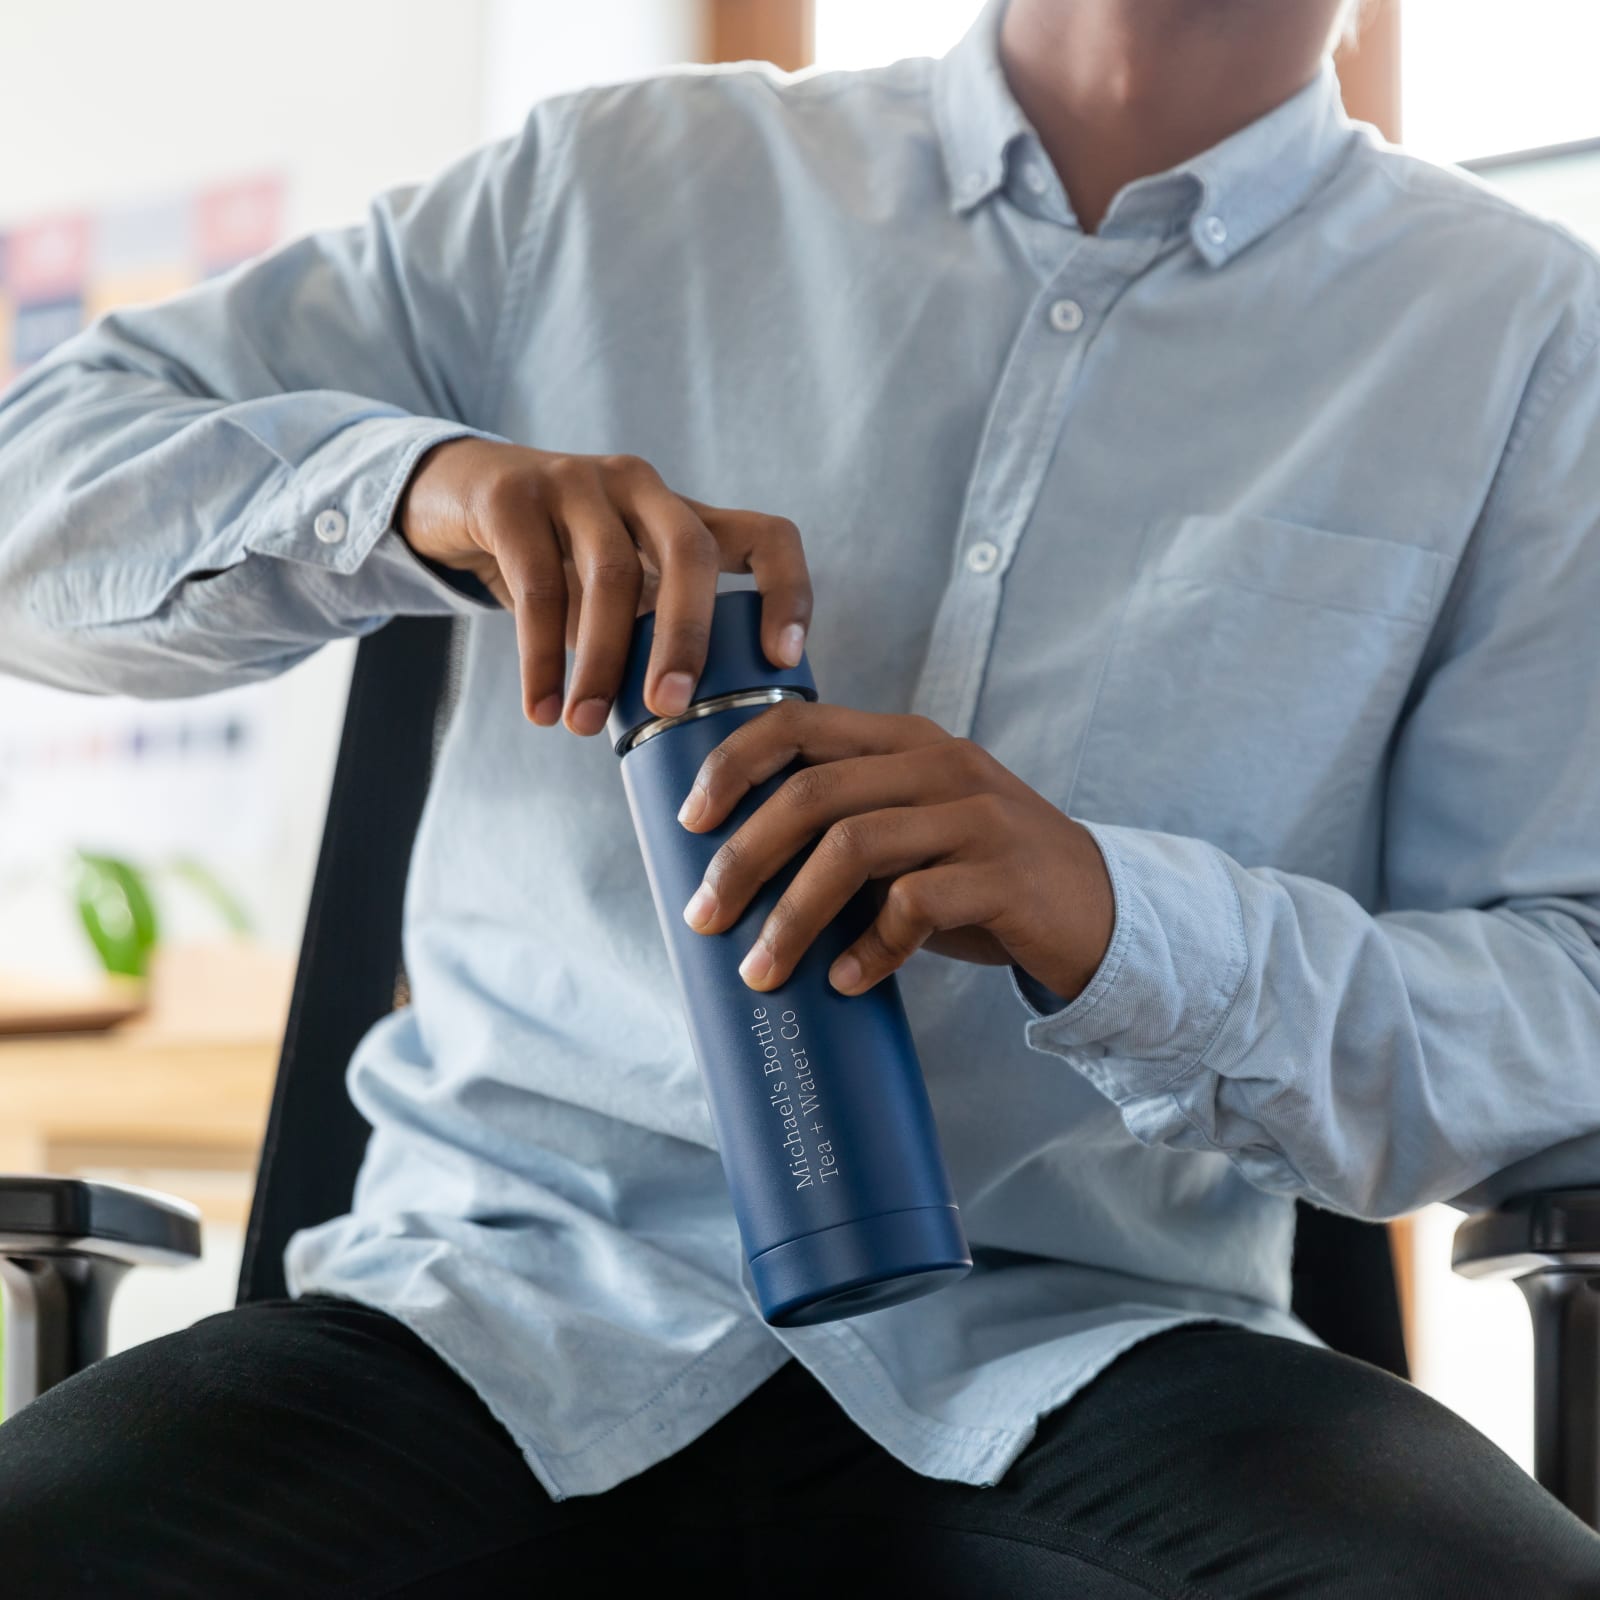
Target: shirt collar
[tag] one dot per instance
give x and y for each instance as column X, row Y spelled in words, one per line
column 977, row 117
column 1227, row 196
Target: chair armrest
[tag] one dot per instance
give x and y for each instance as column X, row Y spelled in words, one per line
column 1549, row 1245
column 73, row 1216
column 1534, row 1233
column 65, row 1245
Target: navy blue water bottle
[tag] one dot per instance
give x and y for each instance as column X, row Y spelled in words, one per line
column 821, row 1114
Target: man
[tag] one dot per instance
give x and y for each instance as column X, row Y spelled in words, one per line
column 1200, row 506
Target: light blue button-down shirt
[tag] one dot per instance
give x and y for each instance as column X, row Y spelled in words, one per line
column 1257, row 529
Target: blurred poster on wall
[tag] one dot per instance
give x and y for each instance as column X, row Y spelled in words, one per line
column 59, row 273
column 209, row 779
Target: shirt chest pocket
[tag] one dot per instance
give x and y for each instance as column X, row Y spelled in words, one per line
column 1253, row 685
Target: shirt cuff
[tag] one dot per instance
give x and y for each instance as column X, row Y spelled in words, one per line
column 334, row 520
column 395, row 581
column 1040, row 1001
column 1176, row 961
column 336, row 503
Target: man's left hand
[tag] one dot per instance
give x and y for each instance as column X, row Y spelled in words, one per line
column 970, row 861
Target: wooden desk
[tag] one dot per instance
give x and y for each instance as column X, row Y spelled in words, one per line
column 185, row 1089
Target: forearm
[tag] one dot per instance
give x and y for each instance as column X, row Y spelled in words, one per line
column 157, row 539
column 164, row 476
column 1370, row 1063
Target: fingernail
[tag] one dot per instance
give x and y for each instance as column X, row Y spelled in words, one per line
column 589, row 716
column 791, row 644
column 672, row 693
column 756, row 964
column 693, row 805
column 845, row 973
column 702, row 906
column 548, row 711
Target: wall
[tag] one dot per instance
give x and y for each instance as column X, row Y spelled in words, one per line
column 538, row 48
column 111, row 102
column 347, row 96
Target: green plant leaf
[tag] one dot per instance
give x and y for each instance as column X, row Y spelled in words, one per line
column 223, row 901
column 117, row 914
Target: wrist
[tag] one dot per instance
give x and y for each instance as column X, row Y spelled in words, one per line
column 1085, row 890
column 432, row 515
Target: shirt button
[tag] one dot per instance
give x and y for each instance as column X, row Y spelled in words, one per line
column 1066, row 316
column 1215, row 229
column 982, row 556
column 1033, row 178
column 330, row 526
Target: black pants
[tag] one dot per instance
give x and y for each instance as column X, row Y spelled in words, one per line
column 318, row 1448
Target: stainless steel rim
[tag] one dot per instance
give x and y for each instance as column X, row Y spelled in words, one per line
column 707, row 708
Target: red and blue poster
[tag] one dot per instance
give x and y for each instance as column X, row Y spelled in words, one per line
column 58, row 274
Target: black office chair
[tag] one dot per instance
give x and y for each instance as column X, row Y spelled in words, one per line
column 65, row 1243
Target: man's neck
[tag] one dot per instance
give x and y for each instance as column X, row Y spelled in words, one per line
column 1120, row 89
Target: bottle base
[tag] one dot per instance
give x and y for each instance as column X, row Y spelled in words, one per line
column 860, row 1266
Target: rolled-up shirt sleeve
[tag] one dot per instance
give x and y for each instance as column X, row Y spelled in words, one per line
column 1375, row 1059
column 203, row 491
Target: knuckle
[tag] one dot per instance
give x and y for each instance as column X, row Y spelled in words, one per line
column 783, row 530
column 990, row 813
column 508, row 497
column 542, row 586
column 804, row 790
column 778, row 728
column 563, row 473
column 845, row 840
column 633, row 469
column 927, row 729
column 780, row 922
column 688, row 640
column 557, row 472
column 721, row 766
column 903, row 902
column 973, row 757
column 725, row 864
column 690, row 545
column 611, row 573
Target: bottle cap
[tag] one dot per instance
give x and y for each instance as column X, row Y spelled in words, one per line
column 735, row 662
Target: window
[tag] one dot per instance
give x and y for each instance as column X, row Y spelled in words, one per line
column 1482, row 77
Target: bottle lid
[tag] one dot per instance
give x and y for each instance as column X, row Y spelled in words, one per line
column 735, row 662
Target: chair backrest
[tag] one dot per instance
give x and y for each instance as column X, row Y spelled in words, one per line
column 350, row 962
column 350, row 966
column 1345, row 1289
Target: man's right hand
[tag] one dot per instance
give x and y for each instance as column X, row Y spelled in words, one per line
column 578, row 546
